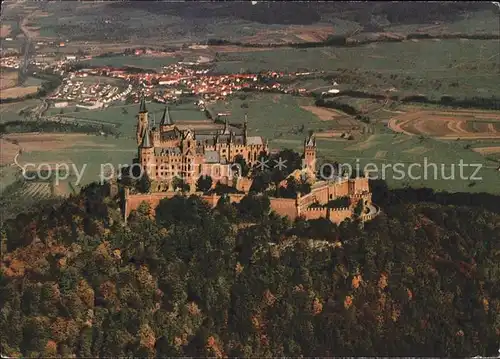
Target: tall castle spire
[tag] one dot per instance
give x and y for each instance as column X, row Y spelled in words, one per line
column 166, row 120
column 142, row 121
column 226, row 127
column 146, row 139
column 142, row 108
column 245, row 128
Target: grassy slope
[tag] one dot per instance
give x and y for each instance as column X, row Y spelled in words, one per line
column 425, row 61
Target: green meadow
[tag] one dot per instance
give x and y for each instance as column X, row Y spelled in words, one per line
column 270, row 115
column 88, row 158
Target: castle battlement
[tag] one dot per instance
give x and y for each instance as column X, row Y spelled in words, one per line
column 342, row 209
column 316, row 209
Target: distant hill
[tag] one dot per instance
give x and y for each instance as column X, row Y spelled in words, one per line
column 302, row 13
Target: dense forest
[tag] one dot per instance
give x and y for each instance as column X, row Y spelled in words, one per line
column 422, row 279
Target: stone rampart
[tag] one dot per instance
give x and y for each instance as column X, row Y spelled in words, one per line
column 291, row 207
column 284, row 207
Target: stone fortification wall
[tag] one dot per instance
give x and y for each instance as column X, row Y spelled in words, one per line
column 293, row 208
column 284, row 207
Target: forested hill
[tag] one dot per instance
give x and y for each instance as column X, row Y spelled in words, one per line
column 304, row 13
column 421, row 280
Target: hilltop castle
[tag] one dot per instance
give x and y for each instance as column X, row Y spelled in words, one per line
column 169, row 150
column 172, row 150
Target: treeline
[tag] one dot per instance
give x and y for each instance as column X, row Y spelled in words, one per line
column 350, row 110
column 394, row 197
column 332, row 40
column 20, row 126
column 345, row 40
column 482, row 36
column 491, row 103
column 51, row 82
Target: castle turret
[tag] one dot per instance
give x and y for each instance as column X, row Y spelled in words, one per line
column 226, row 128
column 310, row 154
column 245, row 129
column 146, row 154
column 143, row 108
column 166, row 120
column 142, row 120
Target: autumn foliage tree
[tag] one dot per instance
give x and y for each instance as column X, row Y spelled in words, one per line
column 421, row 279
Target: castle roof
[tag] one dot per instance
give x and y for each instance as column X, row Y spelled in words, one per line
column 254, row 140
column 142, row 108
column 205, row 139
column 171, row 134
column 212, row 157
column 146, row 140
column 166, row 151
column 166, row 120
column 310, row 141
column 225, row 131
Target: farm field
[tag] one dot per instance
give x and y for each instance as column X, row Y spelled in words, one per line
column 148, row 62
column 10, row 111
column 8, row 79
column 405, row 57
column 477, row 22
column 390, row 149
column 38, row 190
column 282, row 114
column 18, row 91
column 452, row 125
column 460, row 68
column 76, row 150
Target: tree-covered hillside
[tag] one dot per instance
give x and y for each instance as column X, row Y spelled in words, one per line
column 422, row 279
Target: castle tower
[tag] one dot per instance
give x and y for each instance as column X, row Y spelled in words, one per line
column 310, row 155
column 146, row 154
column 142, row 121
column 226, row 127
column 166, row 122
column 245, row 129
column 188, row 158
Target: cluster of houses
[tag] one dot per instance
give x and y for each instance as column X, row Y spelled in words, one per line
column 11, row 62
column 89, row 95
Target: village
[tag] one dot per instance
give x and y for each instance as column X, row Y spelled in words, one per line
column 173, row 81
